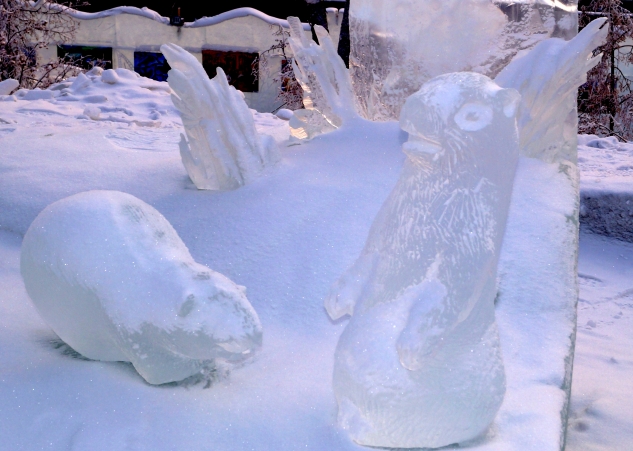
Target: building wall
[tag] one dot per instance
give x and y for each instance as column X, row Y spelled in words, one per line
column 127, row 30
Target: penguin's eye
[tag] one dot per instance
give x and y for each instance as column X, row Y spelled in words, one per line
column 473, row 116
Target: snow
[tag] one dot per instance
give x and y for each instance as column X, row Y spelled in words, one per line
column 7, row 86
column 153, row 15
column 286, row 237
column 113, row 279
column 605, row 190
column 601, row 409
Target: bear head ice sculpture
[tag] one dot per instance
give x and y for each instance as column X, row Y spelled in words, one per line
column 419, row 363
column 113, row 279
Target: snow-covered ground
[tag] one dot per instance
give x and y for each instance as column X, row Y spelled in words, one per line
column 121, row 132
column 601, row 414
column 605, row 188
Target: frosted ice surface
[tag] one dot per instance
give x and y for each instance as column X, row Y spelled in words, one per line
column 397, row 45
column 223, row 150
column 419, row 363
column 113, row 279
column 548, row 77
column 328, row 95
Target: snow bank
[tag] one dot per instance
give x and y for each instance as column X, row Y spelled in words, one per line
column 606, row 188
column 7, row 86
column 114, row 280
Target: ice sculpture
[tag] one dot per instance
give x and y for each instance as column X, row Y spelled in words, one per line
column 113, row 279
column 397, row 45
column 547, row 78
column 328, row 96
column 223, row 150
column 419, row 363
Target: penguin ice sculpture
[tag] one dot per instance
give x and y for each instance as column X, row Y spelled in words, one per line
column 419, row 364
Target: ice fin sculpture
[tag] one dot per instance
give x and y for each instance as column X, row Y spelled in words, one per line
column 419, row 363
column 328, row 96
column 547, row 78
column 113, row 279
column 223, row 150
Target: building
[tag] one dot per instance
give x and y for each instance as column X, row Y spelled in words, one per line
column 130, row 38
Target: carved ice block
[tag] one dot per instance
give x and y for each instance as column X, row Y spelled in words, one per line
column 112, row 278
column 419, row 363
column 223, row 150
column 397, row 45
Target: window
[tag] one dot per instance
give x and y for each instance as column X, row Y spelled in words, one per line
column 86, row 56
column 238, row 67
column 151, row 65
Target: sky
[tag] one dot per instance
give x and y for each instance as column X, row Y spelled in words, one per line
column 191, row 9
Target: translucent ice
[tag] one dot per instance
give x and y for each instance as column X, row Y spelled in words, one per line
column 397, row 45
column 419, row 363
column 547, row 77
column 223, row 150
column 113, row 279
column 328, row 96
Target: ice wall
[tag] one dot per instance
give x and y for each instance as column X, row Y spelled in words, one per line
column 398, row 45
column 113, row 279
column 419, row 363
column 223, row 150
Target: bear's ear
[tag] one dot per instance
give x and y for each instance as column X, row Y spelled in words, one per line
column 509, row 100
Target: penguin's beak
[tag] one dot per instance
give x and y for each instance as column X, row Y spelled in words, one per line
column 419, row 145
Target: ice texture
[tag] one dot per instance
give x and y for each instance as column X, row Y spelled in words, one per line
column 223, row 149
column 397, row 45
column 419, row 363
column 328, row 96
column 113, row 279
column 548, row 77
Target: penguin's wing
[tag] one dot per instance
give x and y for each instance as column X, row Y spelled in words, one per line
column 546, row 77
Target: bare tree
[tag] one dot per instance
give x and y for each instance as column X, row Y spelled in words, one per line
column 290, row 92
column 605, row 102
column 29, row 26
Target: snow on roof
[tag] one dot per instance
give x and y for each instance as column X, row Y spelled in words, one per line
column 240, row 12
column 203, row 22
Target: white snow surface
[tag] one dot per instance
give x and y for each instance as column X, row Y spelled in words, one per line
column 601, row 415
column 606, row 195
column 287, row 237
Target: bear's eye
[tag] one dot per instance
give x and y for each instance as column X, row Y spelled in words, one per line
column 473, row 116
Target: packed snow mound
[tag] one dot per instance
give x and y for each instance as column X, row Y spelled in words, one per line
column 7, row 86
column 419, row 364
column 223, row 149
column 114, row 95
column 114, row 280
column 606, row 197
